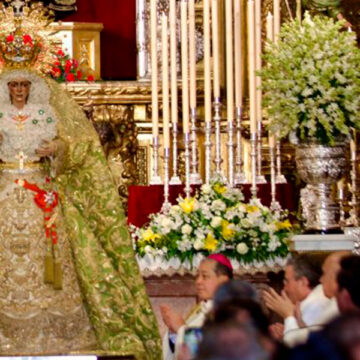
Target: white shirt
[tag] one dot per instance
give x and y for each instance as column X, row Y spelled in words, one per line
column 195, row 319
column 316, row 310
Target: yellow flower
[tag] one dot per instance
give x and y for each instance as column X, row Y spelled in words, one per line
column 252, row 208
column 226, row 232
column 187, row 205
column 220, row 189
column 283, row 225
column 210, row 242
column 148, row 235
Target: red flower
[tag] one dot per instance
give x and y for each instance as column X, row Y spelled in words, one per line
column 57, row 62
column 90, row 78
column 55, row 72
column 75, row 63
column 68, row 66
column 79, row 75
column 70, row 77
column 60, row 53
column 10, row 38
column 27, row 39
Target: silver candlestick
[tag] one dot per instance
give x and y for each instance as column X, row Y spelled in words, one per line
column 230, row 145
column 353, row 219
column 260, row 179
column 207, row 151
column 218, row 160
column 280, row 178
column 195, row 178
column 253, row 164
column 240, row 177
column 166, row 205
column 175, row 179
column 187, row 164
column 341, row 203
column 155, row 179
column 275, row 205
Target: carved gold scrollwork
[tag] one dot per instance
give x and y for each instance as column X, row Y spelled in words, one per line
column 118, row 136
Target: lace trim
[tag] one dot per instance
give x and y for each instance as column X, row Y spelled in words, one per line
column 27, row 136
column 158, row 266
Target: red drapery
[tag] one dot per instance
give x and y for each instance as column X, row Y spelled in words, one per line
column 118, row 38
column 146, row 200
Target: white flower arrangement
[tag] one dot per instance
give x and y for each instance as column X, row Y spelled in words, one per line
column 215, row 220
column 311, row 81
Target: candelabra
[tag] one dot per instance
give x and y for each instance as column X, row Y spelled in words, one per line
column 155, row 179
column 218, row 160
column 195, row 178
column 187, row 164
column 275, row 205
column 260, row 179
column 207, row 151
column 240, row 177
column 353, row 220
column 166, row 205
column 230, row 145
column 253, row 164
column 280, row 178
column 341, row 203
column 175, row 179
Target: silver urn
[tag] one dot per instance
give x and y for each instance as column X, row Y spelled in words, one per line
column 320, row 166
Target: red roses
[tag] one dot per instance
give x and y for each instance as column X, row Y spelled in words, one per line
column 66, row 69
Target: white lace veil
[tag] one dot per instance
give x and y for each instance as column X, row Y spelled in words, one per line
column 39, row 90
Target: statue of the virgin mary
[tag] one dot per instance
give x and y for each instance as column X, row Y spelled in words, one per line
column 69, row 281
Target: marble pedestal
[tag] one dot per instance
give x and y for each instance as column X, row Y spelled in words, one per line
column 323, row 243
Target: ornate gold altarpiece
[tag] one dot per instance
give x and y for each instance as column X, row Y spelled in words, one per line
column 121, row 113
column 121, row 110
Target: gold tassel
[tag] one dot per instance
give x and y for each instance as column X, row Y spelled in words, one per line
column 49, row 269
column 57, row 276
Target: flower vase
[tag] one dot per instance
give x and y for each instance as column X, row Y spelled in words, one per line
column 320, row 166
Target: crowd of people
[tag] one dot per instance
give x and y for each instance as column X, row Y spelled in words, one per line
column 318, row 311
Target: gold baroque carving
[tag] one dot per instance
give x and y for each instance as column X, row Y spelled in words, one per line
column 118, row 136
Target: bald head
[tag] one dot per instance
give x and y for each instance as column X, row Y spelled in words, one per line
column 330, row 269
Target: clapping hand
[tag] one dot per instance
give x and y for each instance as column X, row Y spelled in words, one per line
column 277, row 331
column 172, row 319
column 281, row 304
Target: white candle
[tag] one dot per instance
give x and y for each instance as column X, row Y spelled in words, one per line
column 173, row 62
column 192, row 53
column 229, row 61
column 270, row 37
column 276, row 19
column 251, row 64
column 207, row 65
column 154, row 70
column 215, row 43
column 258, row 61
column 165, row 80
column 238, row 53
column 184, row 67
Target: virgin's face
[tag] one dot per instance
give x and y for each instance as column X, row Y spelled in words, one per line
column 19, row 90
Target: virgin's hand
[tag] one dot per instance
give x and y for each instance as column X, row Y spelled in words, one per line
column 48, row 148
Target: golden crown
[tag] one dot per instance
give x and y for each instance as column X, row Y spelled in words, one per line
column 25, row 40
